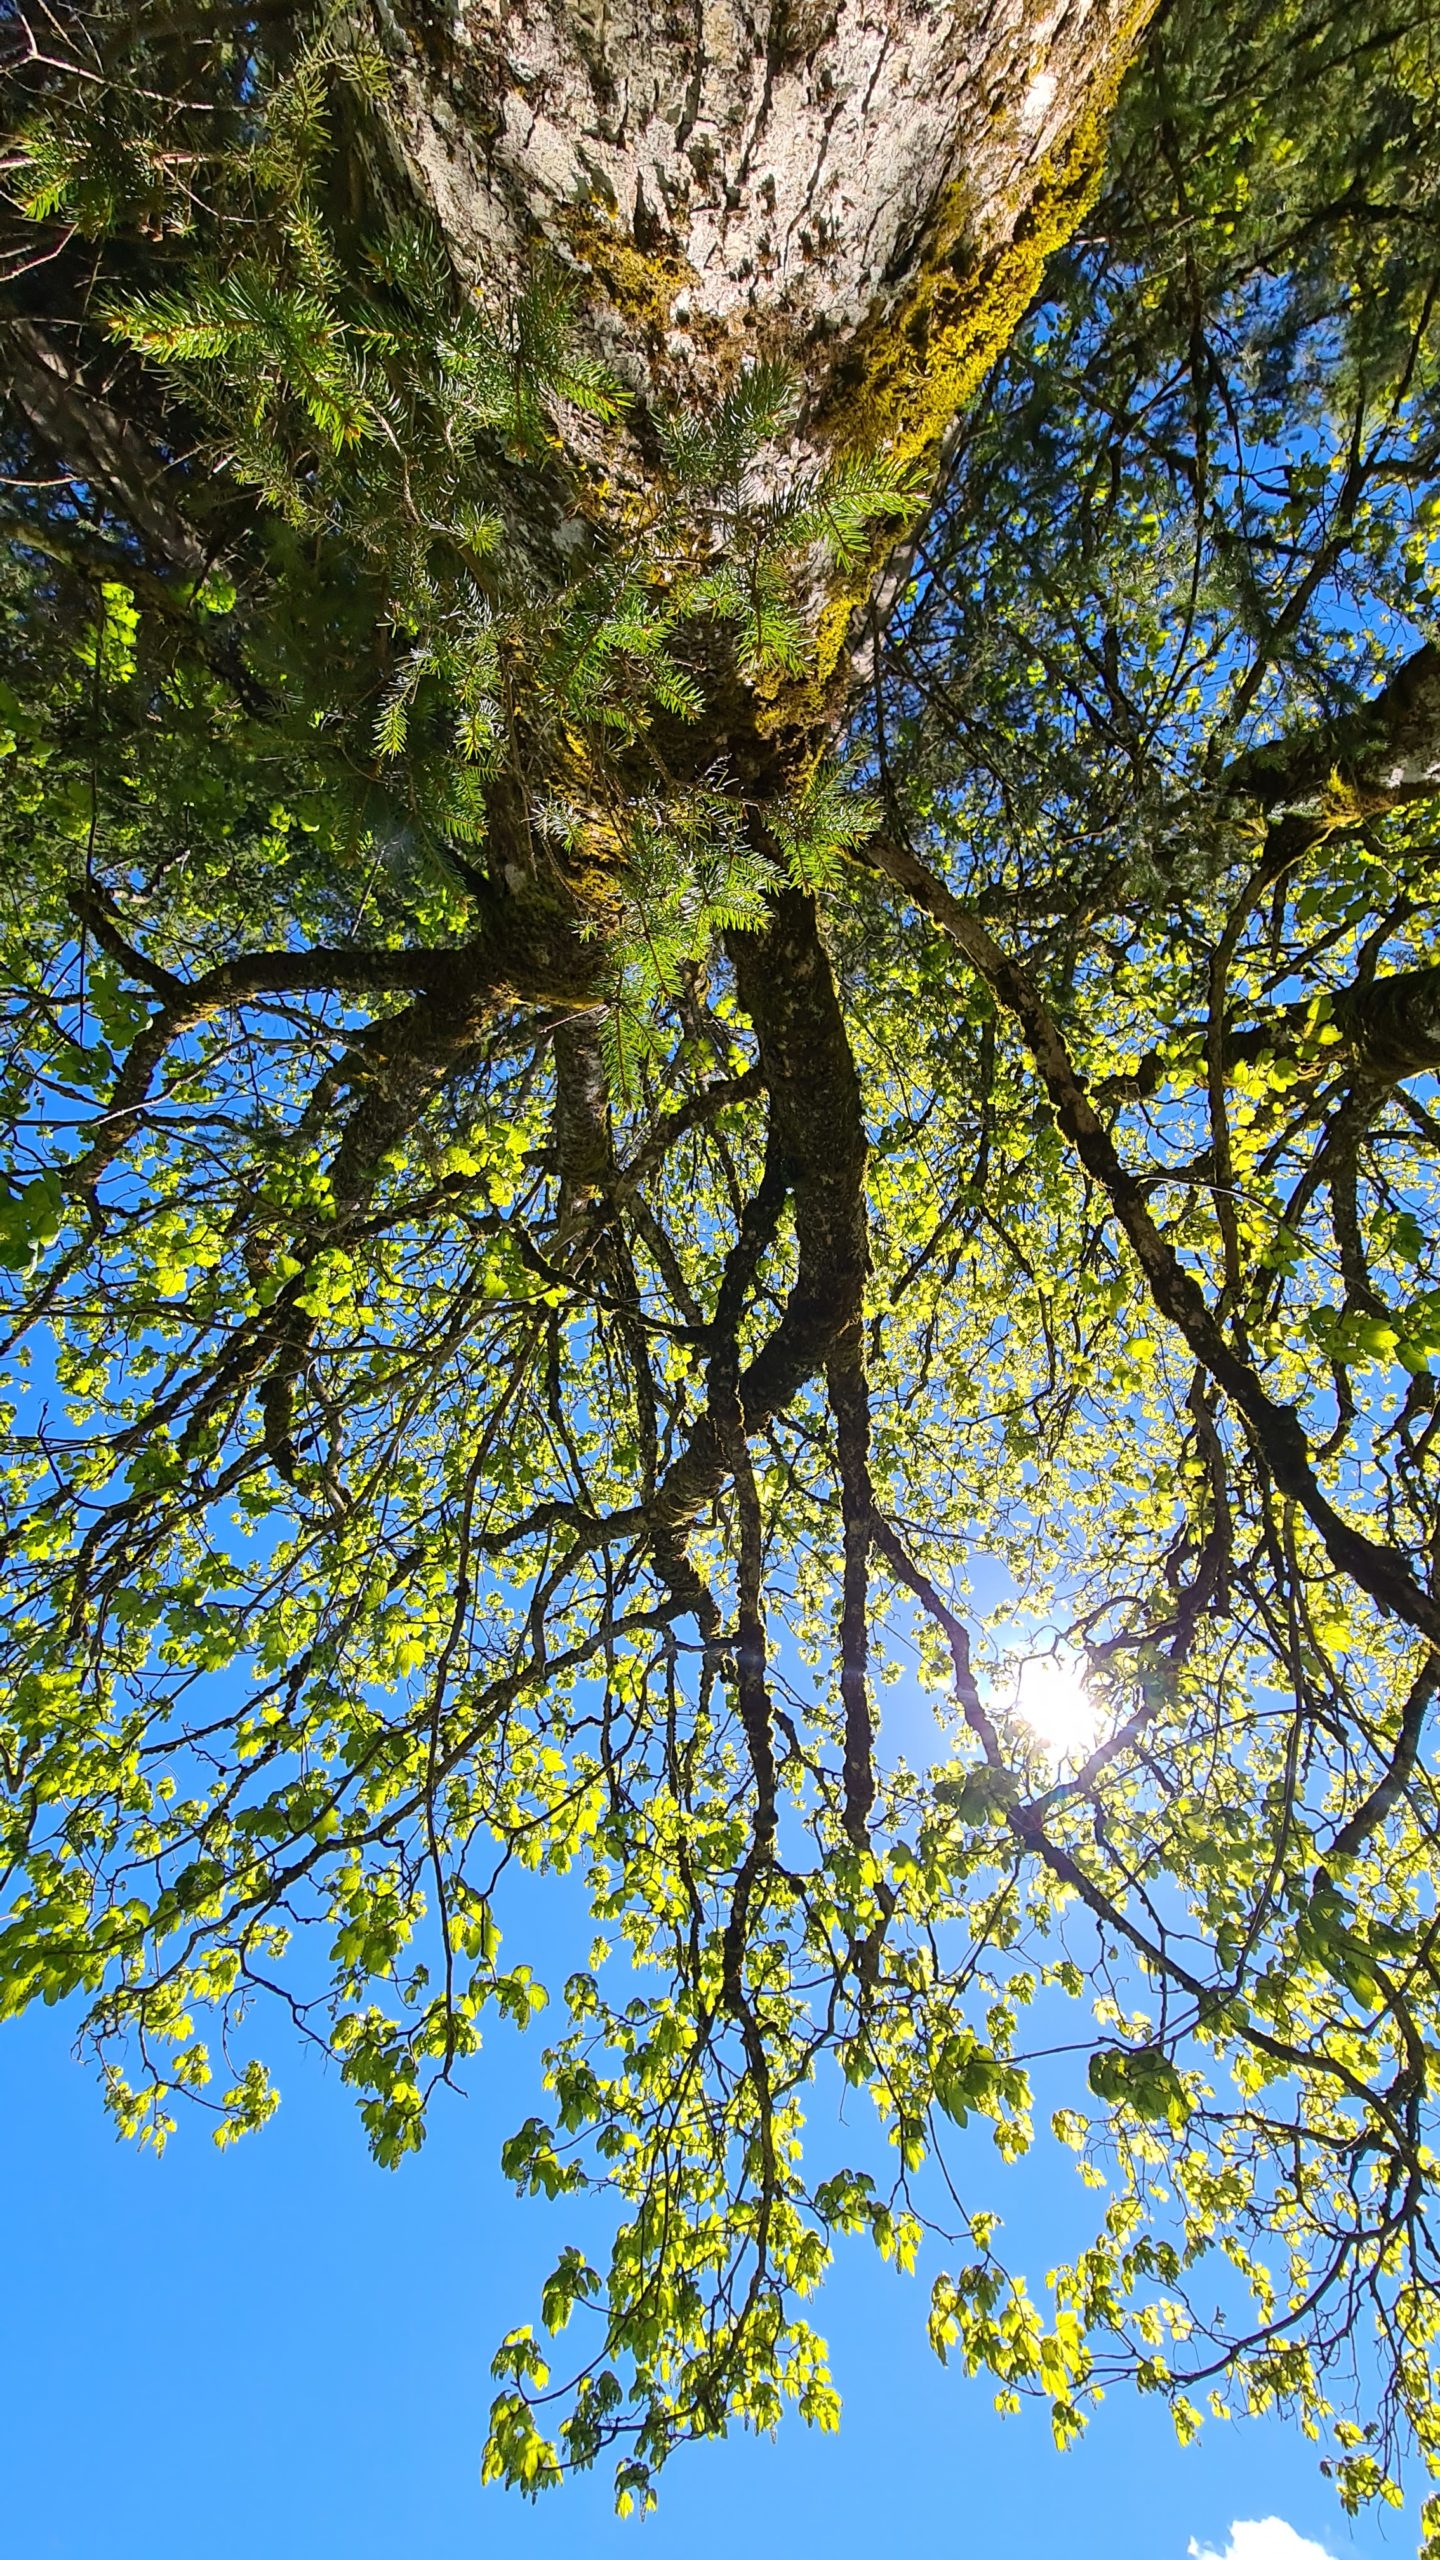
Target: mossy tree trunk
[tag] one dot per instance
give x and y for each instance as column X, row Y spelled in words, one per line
column 864, row 193
column 866, row 190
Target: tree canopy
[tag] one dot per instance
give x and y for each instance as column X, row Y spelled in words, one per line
column 597, row 1185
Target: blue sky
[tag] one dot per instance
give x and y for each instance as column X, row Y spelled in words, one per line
column 283, row 2350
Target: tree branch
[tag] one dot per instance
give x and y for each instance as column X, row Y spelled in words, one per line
column 1276, row 1429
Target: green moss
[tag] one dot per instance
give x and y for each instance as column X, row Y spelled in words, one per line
column 915, row 365
column 1343, row 805
column 913, row 369
column 641, row 283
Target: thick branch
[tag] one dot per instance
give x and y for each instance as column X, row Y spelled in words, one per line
column 818, row 1145
column 93, row 442
column 1389, row 1030
column 1367, row 1818
column 512, row 957
column 1385, row 753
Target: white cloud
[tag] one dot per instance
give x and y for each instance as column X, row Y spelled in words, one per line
column 1262, row 2538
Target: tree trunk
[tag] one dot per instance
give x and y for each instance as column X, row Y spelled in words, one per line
column 867, row 190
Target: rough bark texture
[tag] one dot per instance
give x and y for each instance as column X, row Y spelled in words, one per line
column 742, row 172
column 867, row 189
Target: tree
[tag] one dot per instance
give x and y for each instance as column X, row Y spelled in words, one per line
column 653, row 1081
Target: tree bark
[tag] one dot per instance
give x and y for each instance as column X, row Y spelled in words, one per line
column 866, row 189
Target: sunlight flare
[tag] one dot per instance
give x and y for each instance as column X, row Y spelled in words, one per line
column 1050, row 1697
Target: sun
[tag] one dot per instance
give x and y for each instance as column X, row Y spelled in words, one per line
column 1050, row 1696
